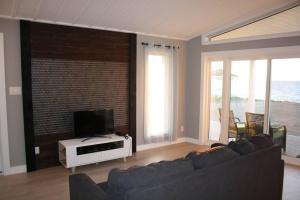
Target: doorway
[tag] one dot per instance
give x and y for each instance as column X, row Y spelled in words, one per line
column 238, row 87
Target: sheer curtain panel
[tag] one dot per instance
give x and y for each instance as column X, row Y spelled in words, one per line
column 159, row 94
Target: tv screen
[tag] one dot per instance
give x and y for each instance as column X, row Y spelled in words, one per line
column 91, row 123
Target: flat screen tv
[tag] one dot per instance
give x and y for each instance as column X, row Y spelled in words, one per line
column 93, row 123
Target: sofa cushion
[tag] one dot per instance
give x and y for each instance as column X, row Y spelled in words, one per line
column 103, row 186
column 119, row 181
column 83, row 187
column 217, row 144
column 261, row 141
column 242, row 146
column 211, row 157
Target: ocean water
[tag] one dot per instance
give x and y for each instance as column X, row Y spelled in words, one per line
column 285, row 91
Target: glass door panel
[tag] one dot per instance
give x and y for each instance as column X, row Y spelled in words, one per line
column 216, row 89
column 285, row 104
column 247, row 98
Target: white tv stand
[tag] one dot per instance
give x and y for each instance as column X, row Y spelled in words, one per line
column 74, row 152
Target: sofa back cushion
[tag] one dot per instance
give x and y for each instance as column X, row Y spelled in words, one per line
column 261, row 141
column 211, row 157
column 256, row 176
column 120, row 181
column 242, row 146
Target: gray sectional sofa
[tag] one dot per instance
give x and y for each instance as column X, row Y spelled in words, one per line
column 244, row 171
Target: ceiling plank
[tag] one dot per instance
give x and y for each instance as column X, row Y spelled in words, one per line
column 37, row 9
column 170, row 18
column 82, row 12
column 14, row 8
column 6, row 7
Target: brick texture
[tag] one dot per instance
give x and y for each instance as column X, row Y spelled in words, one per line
column 60, row 87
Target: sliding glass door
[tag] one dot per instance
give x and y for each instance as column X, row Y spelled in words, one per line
column 251, row 92
column 285, row 104
column 255, row 96
column 247, row 96
column 216, row 90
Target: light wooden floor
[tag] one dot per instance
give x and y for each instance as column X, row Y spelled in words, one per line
column 52, row 183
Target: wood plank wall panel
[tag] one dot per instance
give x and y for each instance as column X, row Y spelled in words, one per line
column 132, row 88
column 65, row 42
column 65, row 69
column 27, row 94
column 48, row 147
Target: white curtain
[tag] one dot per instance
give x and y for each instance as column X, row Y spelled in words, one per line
column 159, row 94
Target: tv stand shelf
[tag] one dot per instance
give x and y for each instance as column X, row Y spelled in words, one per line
column 76, row 152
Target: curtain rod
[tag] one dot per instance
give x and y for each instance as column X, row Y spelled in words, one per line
column 160, row 45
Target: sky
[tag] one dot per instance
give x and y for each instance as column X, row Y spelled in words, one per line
column 286, row 69
column 282, row 70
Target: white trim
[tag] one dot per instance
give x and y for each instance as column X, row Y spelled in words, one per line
column 91, row 27
column 260, row 53
column 258, row 37
column 192, row 140
column 144, row 147
column 226, row 90
column 267, row 97
column 3, row 112
column 17, row 170
column 204, row 103
column 241, row 23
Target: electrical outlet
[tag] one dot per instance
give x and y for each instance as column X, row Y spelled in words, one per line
column 181, row 128
column 37, row 150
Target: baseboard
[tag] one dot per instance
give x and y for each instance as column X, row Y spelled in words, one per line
column 17, row 170
column 192, row 140
column 162, row 144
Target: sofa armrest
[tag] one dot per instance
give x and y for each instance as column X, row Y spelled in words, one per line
column 83, row 187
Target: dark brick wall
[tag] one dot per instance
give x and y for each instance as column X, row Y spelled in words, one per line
column 60, row 87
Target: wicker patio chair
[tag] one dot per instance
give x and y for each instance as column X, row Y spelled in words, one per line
column 255, row 126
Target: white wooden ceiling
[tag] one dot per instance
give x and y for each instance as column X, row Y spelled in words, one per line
column 287, row 21
column 181, row 19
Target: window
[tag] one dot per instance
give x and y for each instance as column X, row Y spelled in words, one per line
column 158, row 107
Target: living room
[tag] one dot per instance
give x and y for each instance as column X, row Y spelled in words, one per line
column 90, row 86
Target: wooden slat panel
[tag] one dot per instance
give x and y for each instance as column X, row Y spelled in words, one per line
column 49, row 149
column 65, row 42
column 132, row 88
column 27, row 94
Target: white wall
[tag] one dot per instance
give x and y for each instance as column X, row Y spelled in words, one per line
column 12, row 59
column 140, row 84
